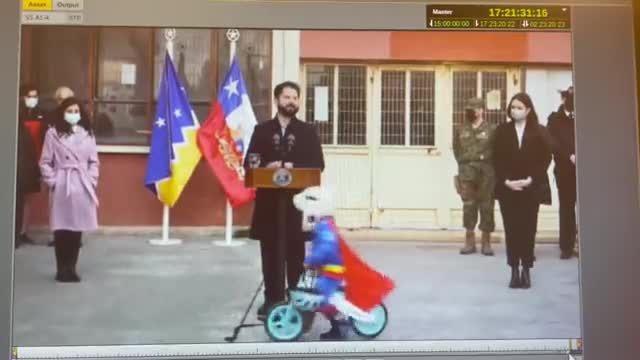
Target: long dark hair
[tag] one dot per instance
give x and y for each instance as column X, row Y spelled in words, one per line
column 532, row 117
column 63, row 127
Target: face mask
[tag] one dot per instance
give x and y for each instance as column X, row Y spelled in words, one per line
column 518, row 115
column 72, row 118
column 31, row 102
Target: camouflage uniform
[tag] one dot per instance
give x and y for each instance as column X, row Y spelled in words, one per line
column 476, row 179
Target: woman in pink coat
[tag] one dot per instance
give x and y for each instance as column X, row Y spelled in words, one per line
column 70, row 168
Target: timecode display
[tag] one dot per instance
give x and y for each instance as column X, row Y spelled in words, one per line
column 538, row 18
column 519, row 13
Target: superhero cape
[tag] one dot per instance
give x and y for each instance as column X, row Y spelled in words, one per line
column 365, row 287
column 34, row 127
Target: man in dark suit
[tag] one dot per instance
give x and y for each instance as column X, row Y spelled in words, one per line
column 561, row 125
column 282, row 142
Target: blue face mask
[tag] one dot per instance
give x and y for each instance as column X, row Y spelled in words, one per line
column 72, row 118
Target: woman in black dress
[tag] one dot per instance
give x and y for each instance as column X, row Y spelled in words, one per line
column 522, row 154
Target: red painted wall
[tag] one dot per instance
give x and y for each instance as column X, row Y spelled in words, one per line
column 412, row 46
column 124, row 201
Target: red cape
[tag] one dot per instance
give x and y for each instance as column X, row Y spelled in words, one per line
column 365, row 287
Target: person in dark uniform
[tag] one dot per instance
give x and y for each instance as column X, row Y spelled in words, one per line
column 284, row 141
column 561, row 125
column 522, row 154
column 31, row 130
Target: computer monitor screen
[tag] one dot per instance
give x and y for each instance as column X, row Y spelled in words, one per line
column 222, row 179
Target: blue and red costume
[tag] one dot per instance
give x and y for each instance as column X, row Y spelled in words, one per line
column 325, row 255
column 337, row 263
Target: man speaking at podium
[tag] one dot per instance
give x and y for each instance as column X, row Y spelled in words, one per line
column 284, row 141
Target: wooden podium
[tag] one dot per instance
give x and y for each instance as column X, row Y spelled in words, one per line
column 282, row 179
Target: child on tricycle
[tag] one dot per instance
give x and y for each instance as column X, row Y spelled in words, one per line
column 336, row 282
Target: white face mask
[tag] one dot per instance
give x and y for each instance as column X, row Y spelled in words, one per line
column 31, row 102
column 518, row 114
column 72, row 118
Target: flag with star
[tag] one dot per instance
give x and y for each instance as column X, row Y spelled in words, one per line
column 223, row 139
column 174, row 152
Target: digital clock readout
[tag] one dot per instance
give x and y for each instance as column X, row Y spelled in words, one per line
column 518, row 13
column 552, row 18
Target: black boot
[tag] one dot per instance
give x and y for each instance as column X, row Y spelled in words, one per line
column 515, row 278
column 74, row 252
column 63, row 261
column 335, row 333
column 59, row 264
column 525, row 278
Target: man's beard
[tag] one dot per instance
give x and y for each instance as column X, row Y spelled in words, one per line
column 288, row 110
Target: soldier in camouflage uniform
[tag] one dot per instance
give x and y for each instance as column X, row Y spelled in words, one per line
column 475, row 182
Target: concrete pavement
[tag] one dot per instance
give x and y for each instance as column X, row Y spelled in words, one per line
column 135, row 293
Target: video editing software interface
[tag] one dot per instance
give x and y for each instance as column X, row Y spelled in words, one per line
column 302, row 183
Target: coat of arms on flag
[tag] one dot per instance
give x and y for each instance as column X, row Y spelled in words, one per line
column 225, row 136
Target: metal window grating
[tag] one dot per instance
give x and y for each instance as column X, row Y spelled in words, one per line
column 465, row 86
column 320, row 75
column 352, row 105
column 393, row 108
column 422, row 116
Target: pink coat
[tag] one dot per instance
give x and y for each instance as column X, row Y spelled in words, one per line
column 70, row 168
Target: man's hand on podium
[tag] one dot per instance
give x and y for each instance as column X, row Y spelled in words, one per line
column 278, row 164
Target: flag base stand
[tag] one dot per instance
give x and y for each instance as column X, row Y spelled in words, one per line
column 165, row 242
column 232, row 243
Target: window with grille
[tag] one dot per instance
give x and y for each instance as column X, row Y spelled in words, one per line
column 117, row 72
column 408, row 108
column 470, row 84
column 347, row 122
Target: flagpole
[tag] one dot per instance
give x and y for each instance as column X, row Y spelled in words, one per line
column 232, row 35
column 169, row 35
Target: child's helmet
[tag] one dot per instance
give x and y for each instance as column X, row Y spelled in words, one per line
column 315, row 202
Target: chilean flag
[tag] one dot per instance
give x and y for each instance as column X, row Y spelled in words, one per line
column 224, row 138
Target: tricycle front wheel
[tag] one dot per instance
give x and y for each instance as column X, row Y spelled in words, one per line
column 284, row 322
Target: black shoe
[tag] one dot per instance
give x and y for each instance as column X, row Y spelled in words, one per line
column 73, row 277
column 334, row 334
column 525, row 278
column 26, row 240
column 263, row 310
column 307, row 321
column 564, row 255
column 515, row 278
column 51, row 243
column 64, row 276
